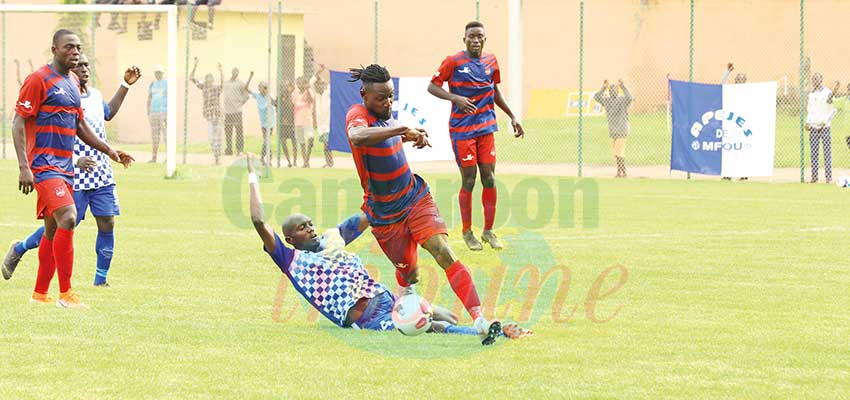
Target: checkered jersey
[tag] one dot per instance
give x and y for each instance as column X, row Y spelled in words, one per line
column 95, row 111
column 331, row 280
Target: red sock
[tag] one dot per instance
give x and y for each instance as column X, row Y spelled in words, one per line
column 465, row 200
column 63, row 253
column 399, row 277
column 46, row 266
column 461, row 282
column 488, row 199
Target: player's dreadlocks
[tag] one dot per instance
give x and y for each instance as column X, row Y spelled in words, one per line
column 372, row 74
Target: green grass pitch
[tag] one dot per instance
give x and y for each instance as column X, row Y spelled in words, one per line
column 718, row 290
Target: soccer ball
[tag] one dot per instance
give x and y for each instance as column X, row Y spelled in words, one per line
column 412, row 314
column 843, row 181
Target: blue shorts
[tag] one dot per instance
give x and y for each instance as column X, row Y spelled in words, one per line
column 102, row 201
column 378, row 315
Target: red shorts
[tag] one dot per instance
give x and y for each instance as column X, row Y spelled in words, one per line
column 399, row 240
column 53, row 194
column 478, row 150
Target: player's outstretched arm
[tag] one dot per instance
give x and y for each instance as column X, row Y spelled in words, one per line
column 368, row 136
column 131, row 76
column 248, row 84
column 500, row 101
column 87, row 135
column 26, row 180
column 257, row 215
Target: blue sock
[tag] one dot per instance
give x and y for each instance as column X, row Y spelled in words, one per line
column 103, row 247
column 30, row 242
column 461, row 330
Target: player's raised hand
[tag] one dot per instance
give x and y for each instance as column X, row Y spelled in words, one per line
column 464, row 104
column 132, row 74
column 26, row 181
column 86, row 164
column 518, row 129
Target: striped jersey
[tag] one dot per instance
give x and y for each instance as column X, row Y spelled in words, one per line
column 95, row 111
column 390, row 189
column 332, row 279
column 475, row 78
column 50, row 104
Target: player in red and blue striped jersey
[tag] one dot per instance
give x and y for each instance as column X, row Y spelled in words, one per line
column 48, row 118
column 473, row 78
column 398, row 203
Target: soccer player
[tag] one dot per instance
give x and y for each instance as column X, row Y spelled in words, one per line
column 474, row 78
column 397, row 203
column 48, row 117
column 94, row 185
column 334, row 280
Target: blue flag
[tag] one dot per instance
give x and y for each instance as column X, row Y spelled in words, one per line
column 726, row 130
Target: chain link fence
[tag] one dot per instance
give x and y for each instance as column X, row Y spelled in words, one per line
column 569, row 50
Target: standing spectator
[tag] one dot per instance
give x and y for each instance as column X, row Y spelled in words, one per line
column 157, row 108
column 304, row 107
column 235, row 95
column 819, row 113
column 323, row 113
column 212, row 107
column 617, row 110
column 267, row 118
column 287, row 129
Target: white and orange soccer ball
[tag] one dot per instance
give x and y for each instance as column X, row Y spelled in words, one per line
column 412, row 314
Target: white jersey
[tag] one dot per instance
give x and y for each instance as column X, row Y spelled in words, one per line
column 95, row 111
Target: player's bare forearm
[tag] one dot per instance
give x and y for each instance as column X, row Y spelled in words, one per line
column 19, row 137
column 87, row 135
column 118, row 100
column 439, row 92
column 258, row 217
column 500, row 101
column 371, row 136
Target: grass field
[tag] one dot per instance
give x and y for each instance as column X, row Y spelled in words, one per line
column 555, row 140
column 733, row 290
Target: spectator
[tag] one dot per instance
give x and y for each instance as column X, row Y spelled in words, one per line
column 286, row 113
column 235, row 95
column 617, row 111
column 323, row 113
column 157, row 108
column 819, row 113
column 304, row 107
column 267, row 118
column 212, row 107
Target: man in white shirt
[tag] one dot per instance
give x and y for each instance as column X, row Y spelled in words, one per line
column 819, row 113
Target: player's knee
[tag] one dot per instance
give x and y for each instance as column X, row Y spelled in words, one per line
column 488, row 181
column 67, row 220
column 105, row 224
column 468, row 182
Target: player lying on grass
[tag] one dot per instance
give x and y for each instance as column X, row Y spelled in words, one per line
column 334, row 280
column 94, row 185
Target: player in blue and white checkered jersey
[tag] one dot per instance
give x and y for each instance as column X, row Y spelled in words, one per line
column 330, row 278
column 94, row 185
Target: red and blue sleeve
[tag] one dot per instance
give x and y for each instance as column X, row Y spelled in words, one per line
column 31, row 96
column 444, row 73
column 357, row 116
column 497, row 74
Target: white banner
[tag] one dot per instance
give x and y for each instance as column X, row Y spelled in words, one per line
column 749, row 129
column 418, row 108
